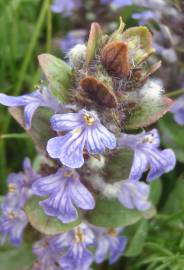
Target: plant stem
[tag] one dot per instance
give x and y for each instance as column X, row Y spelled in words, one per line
column 49, row 28
column 31, row 46
column 14, row 136
column 175, row 93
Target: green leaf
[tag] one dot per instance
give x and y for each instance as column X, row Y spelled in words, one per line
column 58, row 74
column 43, row 223
column 94, row 40
column 16, row 258
column 136, row 234
column 156, row 190
column 110, row 213
column 40, row 131
column 118, row 165
column 175, row 202
column 173, row 135
column 148, row 114
column 139, row 40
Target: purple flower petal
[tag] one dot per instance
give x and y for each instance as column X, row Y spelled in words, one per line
column 12, row 101
column 61, row 206
column 162, row 162
column 134, row 194
column 28, row 113
column 178, row 110
column 139, row 165
column 68, row 148
column 81, row 196
column 102, row 250
column 117, row 248
column 65, row 122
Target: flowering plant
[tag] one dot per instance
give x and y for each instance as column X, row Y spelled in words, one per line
column 99, row 171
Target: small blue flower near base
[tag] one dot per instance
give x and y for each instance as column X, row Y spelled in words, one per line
column 47, row 255
column 12, row 222
column 134, row 194
column 147, row 155
column 20, row 186
column 178, row 110
column 64, row 190
column 31, row 102
column 109, row 244
column 83, row 131
column 75, row 248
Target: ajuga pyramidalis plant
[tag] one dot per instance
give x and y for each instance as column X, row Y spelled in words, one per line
column 88, row 121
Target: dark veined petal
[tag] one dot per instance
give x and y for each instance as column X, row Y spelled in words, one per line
column 68, row 148
column 106, row 137
column 140, row 164
column 77, row 257
column 117, row 247
column 101, row 249
column 99, row 138
column 93, row 144
column 81, row 196
column 60, row 205
column 28, row 113
column 46, row 185
column 66, row 122
column 160, row 162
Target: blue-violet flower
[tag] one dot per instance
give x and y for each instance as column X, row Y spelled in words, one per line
column 147, row 155
column 109, row 244
column 178, row 110
column 47, row 255
column 76, row 256
column 84, row 130
column 31, row 102
column 64, row 190
column 20, row 185
column 12, row 222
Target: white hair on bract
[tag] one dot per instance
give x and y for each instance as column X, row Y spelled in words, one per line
column 151, row 92
column 96, row 164
column 108, row 190
column 77, row 55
